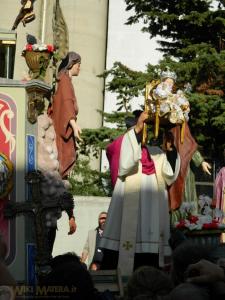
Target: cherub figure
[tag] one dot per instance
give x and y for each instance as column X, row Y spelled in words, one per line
column 26, row 13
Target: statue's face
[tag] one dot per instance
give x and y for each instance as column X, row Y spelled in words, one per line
column 75, row 70
column 169, row 81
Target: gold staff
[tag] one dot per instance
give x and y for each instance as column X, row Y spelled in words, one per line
column 147, row 108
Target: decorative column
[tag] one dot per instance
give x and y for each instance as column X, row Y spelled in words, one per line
column 37, row 92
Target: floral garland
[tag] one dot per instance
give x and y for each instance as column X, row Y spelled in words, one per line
column 209, row 217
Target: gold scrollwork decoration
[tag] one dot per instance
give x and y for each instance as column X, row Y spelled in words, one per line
column 6, row 175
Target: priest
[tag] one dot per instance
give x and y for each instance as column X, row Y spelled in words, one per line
column 138, row 222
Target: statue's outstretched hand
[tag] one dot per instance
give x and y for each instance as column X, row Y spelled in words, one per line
column 206, row 167
column 72, row 225
column 77, row 132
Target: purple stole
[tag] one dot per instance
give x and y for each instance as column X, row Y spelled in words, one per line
column 113, row 155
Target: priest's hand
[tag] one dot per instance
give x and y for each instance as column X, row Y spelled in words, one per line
column 72, row 225
column 206, row 167
column 140, row 122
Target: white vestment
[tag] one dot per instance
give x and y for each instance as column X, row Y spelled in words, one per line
column 152, row 210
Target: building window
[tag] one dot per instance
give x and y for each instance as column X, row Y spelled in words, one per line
column 7, row 54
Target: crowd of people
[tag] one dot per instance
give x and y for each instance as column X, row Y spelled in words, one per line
column 195, row 271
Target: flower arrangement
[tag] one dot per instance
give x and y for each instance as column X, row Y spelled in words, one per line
column 38, row 57
column 209, row 217
column 39, row 47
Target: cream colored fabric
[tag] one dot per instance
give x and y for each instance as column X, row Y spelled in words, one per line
column 129, row 224
column 149, row 206
column 89, row 247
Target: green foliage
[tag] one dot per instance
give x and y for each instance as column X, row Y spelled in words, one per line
column 95, row 140
column 88, row 182
column 84, row 180
column 208, row 122
column 127, row 83
column 180, row 23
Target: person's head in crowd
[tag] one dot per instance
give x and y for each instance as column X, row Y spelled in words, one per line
column 71, row 278
column 148, row 283
column 7, row 282
column 102, row 219
column 185, row 254
column 186, row 291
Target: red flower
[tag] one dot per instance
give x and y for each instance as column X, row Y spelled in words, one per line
column 29, row 47
column 215, row 221
column 210, row 226
column 193, row 219
column 181, row 224
column 50, row 48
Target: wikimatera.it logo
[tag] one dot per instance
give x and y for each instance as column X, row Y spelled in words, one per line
column 24, row 290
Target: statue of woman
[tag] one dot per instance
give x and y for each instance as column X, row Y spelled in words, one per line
column 64, row 111
column 184, row 188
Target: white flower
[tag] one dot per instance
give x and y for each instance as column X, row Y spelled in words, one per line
column 208, row 200
column 35, row 47
column 187, row 207
column 42, row 47
column 207, row 210
column 184, row 206
column 201, row 203
column 205, row 199
column 192, row 206
column 204, row 219
column 217, row 213
column 207, row 214
column 193, row 226
column 39, row 47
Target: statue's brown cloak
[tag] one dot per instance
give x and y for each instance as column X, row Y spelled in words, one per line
column 64, row 108
column 186, row 150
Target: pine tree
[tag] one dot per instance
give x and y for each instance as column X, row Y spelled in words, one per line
column 191, row 36
column 84, row 180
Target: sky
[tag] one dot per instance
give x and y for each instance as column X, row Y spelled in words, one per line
column 128, row 45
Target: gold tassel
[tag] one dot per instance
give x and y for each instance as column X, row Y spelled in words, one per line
column 157, row 120
column 146, row 109
column 182, row 133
